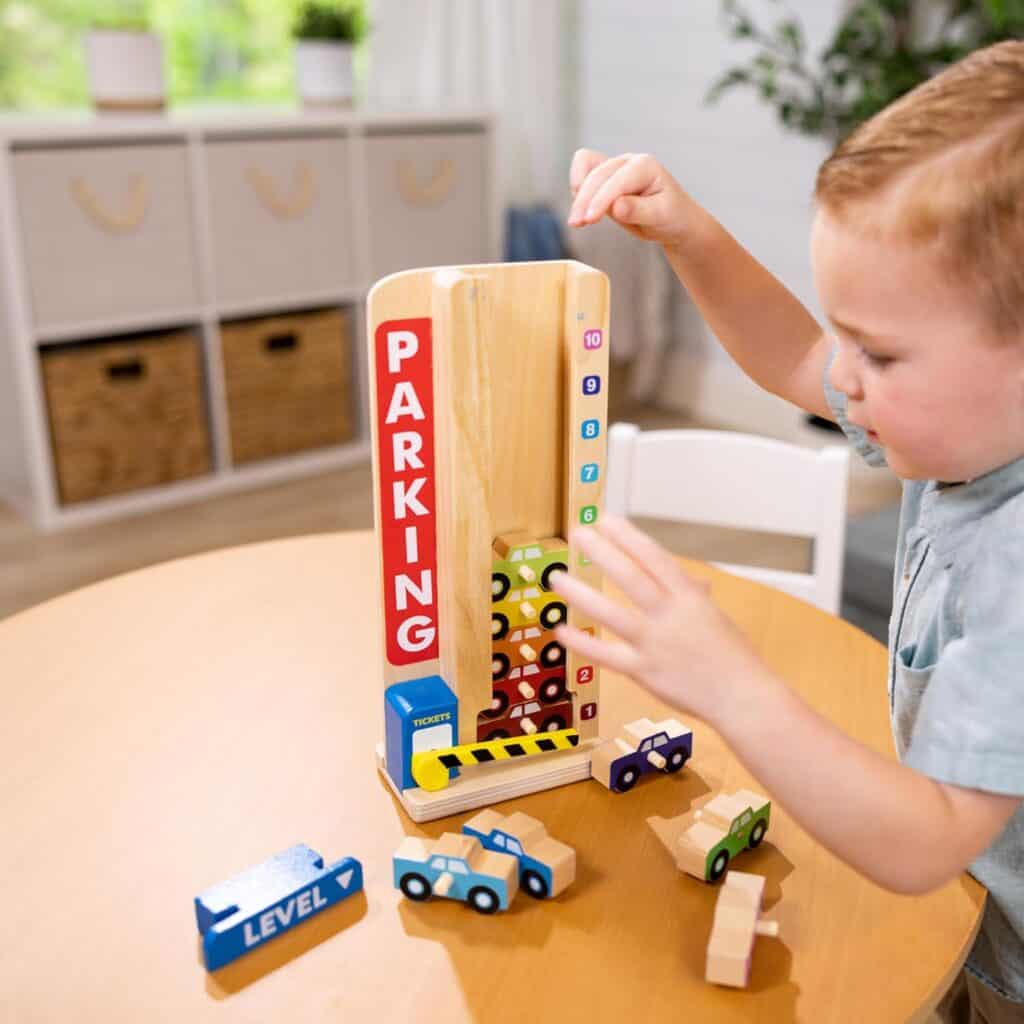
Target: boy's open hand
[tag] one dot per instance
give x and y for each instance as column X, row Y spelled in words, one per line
column 677, row 643
column 634, row 190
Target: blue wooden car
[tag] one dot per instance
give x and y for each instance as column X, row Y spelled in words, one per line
column 641, row 746
column 546, row 866
column 457, row 867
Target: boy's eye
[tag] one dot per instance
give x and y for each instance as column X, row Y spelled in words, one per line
column 875, row 360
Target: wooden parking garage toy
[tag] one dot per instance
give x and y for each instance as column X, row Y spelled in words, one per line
column 489, row 413
column 736, row 924
column 640, row 747
column 705, row 842
column 237, row 915
column 547, row 867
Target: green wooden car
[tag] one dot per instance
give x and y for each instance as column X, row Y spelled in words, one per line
column 722, row 828
column 522, row 560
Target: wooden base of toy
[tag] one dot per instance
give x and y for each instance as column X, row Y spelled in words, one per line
column 490, row 784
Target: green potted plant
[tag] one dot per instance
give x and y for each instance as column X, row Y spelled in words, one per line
column 881, row 50
column 326, row 35
column 125, row 61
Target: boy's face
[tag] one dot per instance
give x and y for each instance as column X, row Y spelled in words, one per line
column 920, row 369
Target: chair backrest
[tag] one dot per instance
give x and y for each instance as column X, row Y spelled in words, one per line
column 740, row 481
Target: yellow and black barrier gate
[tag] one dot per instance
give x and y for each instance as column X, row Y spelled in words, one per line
column 430, row 767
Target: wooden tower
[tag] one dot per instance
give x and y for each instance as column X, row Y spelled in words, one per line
column 489, row 414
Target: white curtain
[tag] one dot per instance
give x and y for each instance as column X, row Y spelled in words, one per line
column 510, row 57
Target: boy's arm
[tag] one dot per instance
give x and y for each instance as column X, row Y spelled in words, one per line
column 764, row 327
column 900, row 828
column 762, row 324
column 903, row 830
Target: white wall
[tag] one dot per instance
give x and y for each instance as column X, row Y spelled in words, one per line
column 644, row 72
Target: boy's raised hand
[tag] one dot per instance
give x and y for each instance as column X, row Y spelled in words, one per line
column 676, row 642
column 634, row 190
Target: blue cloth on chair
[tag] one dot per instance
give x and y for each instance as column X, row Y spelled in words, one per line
column 533, row 233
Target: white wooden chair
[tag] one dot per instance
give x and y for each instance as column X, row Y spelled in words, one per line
column 740, row 481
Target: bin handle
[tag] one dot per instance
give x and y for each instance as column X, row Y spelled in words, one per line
column 116, row 222
column 430, row 193
column 281, row 343
column 127, row 369
column 285, row 207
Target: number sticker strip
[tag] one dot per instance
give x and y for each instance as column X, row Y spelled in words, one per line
column 586, row 339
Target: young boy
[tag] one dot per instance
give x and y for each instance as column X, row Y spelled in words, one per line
column 918, row 253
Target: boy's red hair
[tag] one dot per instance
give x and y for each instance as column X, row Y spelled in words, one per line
column 943, row 167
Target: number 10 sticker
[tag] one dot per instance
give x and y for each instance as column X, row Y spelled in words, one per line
column 593, row 339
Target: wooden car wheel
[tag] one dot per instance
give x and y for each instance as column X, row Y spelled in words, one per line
column 757, row 833
column 533, row 884
column 415, row 886
column 483, row 900
column 719, row 866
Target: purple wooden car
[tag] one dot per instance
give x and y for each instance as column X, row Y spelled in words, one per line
column 642, row 746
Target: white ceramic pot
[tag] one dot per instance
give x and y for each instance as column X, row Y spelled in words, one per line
column 126, row 70
column 323, row 71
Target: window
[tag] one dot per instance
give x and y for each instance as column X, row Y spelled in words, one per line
column 223, row 50
column 457, row 867
column 438, row 864
column 499, row 840
column 514, row 847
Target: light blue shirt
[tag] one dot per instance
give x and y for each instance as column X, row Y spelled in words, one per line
column 956, row 668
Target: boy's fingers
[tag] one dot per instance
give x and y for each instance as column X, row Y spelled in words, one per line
column 624, row 571
column 639, row 211
column 661, row 564
column 595, row 605
column 583, row 162
column 631, row 177
column 618, row 657
column 595, row 179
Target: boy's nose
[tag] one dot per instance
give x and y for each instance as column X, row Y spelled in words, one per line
column 842, row 375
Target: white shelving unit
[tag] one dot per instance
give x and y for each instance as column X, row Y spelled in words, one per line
column 413, row 190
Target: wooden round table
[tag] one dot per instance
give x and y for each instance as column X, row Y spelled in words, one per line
column 166, row 729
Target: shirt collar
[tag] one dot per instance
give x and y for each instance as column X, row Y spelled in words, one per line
column 950, row 512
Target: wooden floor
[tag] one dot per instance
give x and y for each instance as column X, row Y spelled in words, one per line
column 35, row 567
